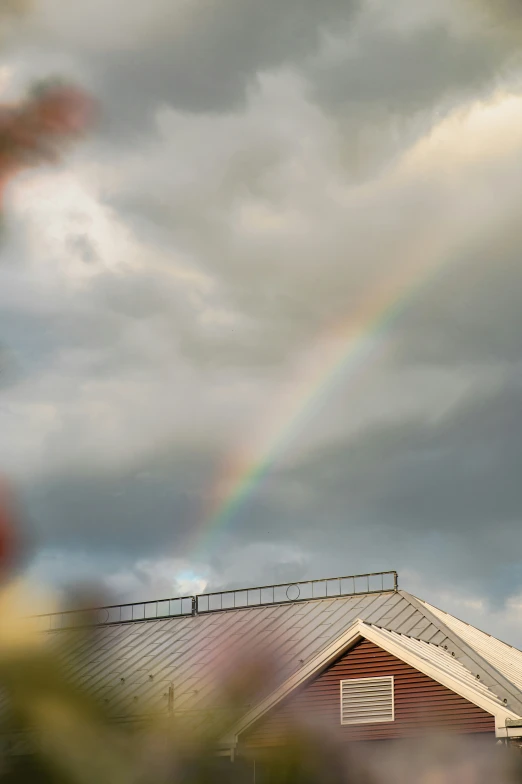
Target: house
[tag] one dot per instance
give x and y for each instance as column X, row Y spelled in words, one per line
column 371, row 661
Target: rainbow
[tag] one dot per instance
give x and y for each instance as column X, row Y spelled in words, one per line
column 345, row 350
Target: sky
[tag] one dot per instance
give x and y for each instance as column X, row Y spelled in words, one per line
column 266, row 323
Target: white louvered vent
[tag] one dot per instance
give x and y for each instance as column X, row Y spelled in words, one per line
column 367, row 700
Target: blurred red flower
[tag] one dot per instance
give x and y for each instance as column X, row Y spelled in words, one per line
column 33, row 131
column 12, row 539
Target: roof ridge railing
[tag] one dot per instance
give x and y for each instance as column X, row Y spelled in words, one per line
column 218, row 601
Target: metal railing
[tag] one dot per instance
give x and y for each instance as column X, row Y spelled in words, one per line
column 282, row 593
column 119, row 613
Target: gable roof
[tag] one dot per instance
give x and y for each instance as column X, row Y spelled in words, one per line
column 432, row 660
column 136, row 662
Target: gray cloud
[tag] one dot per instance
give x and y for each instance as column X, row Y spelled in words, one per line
column 472, row 313
column 398, row 73
column 201, row 57
column 388, row 86
column 444, row 496
column 135, row 511
column 448, row 491
column 284, row 288
column 206, row 58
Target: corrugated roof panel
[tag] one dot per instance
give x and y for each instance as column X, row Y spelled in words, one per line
column 373, row 608
column 401, row 620
column 413, row 622
column 395, row 611
column 443, row 660
column 386, row 609
column 439, row 638
column 419, row 628
column 429, row 633
column 505, row 659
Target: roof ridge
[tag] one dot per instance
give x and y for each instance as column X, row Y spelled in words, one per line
column 484, row 670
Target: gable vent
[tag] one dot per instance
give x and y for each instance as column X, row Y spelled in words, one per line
column 367, row 700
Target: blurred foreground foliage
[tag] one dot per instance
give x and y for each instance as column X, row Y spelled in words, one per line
column 55, row 731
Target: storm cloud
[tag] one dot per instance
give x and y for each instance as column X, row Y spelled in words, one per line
column 264, row 174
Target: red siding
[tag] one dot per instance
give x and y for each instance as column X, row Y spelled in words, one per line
column 421, row 703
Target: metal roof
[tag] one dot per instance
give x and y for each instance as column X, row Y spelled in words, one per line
column 135, row 663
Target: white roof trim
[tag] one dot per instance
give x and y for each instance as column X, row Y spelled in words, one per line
column 489, row 704
column 356, row 632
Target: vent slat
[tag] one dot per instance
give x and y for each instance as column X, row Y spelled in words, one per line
column 366, row 696
column 380, row 706
column 367, row 700
column 372, row 689
column 379, row 694
column 364, row 712
column 349, row 707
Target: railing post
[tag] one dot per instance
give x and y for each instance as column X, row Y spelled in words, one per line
column 395, row 581
column 194, row 605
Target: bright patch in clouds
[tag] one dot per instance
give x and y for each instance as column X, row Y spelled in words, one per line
column 61, row 211
column 156, row 579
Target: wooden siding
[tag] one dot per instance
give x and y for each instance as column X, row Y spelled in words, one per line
column 421, row 704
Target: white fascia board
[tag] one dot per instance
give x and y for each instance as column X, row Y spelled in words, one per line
column 500, row 713
column 360, row 630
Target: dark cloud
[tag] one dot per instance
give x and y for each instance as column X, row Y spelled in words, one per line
column 472, row 313
column 442, row 497
column 401, row 73
column 199, row 57
column 448, row 491
column 205, row 61
column 137, row 510
column 207, row 56
column 389, row 86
